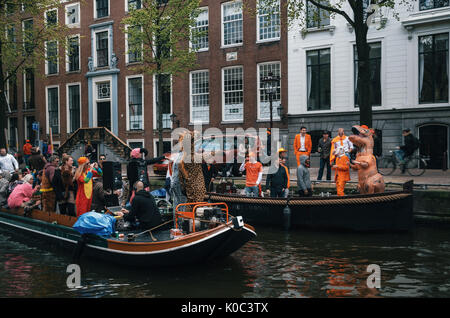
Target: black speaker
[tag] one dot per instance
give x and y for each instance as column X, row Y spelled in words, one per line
column 112, row 175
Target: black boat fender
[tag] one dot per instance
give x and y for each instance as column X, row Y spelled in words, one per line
column 79, row 248
column 287, row 216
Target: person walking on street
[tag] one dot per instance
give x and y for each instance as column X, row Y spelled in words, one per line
column 302, row 144
column 27, row 151
column 324, row 151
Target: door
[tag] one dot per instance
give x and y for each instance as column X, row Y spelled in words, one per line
column 104, row 114
column 434, row 144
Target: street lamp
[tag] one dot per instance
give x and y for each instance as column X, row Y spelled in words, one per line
column 270, row 86
column 174, row 120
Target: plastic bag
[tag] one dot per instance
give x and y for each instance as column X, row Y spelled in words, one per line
column 95, row 223
column 160, row 193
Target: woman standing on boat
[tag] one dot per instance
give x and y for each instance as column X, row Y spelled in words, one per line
column 83, row 176
column 65, row 186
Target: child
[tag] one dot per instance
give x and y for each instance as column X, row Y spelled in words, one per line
column 342, row 170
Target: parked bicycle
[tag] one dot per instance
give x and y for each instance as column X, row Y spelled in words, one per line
column 414, row 165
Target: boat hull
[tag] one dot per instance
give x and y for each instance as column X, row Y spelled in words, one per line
column 378, row 212
column 188, row 249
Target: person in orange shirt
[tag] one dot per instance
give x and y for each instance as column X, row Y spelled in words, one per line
column 253, row 178
column 341, row 170
column 341, row 140
column 302, row 144
column 27, row 151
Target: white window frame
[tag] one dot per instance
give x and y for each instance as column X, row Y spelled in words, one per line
column 127, row 101
column 23, row 29
column 136, row 140
column 73, row 25
column 68, row 106
column 47, row 119
column 192, row 120
column 258, row 29
column 24, row 83
column 126, row 6
column 190, row 40
column 57, row 59
column 155, row 149
column 52, row 9
column 95, row 10
column 275, row 116
column 222, row 24
column 95, row 99
column 79, row 52
column 127, row 58
column 223, row 95
column 155, row 118
column 95, row 46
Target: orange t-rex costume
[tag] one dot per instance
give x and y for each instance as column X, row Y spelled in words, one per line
column 369, row 180
column 297, row 145
column 341, row 172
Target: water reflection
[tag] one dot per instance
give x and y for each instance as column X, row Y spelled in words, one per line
column 275, row 264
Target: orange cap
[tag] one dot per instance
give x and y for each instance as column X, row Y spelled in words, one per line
column 82, row 160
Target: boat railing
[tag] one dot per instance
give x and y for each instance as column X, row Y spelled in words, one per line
column 195, row 205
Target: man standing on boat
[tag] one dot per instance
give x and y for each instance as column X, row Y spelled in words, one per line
column 303, row 177
column 143, row 209
column 253, row 176
column 341, row 140
column 278, row 182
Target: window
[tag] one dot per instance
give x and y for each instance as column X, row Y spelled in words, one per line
column 167, row 147
column 29, row 132
column 28, row 89
column 12, row 124
column 135, row 143
column 133, row 47
column 133, row 4
column 162, row 43
column 51, row 17
column 200, row 35
column 233, row 94
column 269, row 23
column 135, row 103
column 101, row 8
column 52, row 57
column 232, row 23
column 263, row 98
column 375, row 74
column 102, row 52
column 12, row 92
column 103, row 90
column 318, row 79
column 164, row 86
column 200, row 96
column 73, row 54
column 432, row 4
column 433, row 68
column 74, row 102
column 317, row 17
column 53, row 109
column 73, row 14
column 27, row 27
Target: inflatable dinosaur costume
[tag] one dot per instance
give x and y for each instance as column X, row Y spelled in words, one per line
column 369, row 180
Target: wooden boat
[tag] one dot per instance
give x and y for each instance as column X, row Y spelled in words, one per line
column 219, row 241
column 389, row 211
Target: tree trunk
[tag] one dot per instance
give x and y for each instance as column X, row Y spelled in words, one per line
column 160, row 115
column 363, row 86
column 3, row 105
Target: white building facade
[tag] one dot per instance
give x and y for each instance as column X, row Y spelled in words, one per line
column 409, row 63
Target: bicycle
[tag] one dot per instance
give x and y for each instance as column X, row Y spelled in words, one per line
column 414, row 165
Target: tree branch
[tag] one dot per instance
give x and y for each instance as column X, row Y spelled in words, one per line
column 331, row 9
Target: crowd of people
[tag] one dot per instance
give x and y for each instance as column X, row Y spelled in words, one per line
column 74, row 187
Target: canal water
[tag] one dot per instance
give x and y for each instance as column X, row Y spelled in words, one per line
column 276, row 264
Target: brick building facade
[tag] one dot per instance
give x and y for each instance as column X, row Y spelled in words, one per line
column 94, row 85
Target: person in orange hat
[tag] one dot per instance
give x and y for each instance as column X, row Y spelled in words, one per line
column 341, row 170
column 83, row 176
column 302, row 144
column 341, row 140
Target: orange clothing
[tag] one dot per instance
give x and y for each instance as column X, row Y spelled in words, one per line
column 333, row 142
column 342, row 173
column 298, row 145
column 252, row 172
column 27, row 149
column 288, row 177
